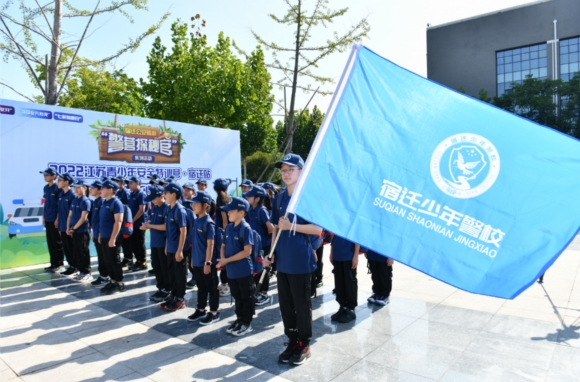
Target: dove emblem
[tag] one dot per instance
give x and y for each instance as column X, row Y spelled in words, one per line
column 465, row 165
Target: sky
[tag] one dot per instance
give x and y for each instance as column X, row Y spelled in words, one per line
column 398, row 32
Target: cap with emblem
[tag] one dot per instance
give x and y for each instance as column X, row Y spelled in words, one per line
column 221, row 184
column 154, row 192
column 201, row 197
column 291, row 160
column 237, row 204
column 175, row 188
column 256, row 191
column 189, row 185
column 110, row 184
column 49, row 171
column 66, row 176
column 97, row 184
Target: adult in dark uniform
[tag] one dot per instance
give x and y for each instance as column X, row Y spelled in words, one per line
column 49, row 216
column 123, row 195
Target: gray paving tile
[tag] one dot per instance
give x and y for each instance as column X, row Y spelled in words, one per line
column 565, row 364
column 382, row 320
column 422, row 359
column 473, row 366
column 523, row 328
column 534, row 354
column 93, row 367
column 409, row 307
column 439, row 334
column 457, row 316
column 364, row 371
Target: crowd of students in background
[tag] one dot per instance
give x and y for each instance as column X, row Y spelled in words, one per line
column 224, row 244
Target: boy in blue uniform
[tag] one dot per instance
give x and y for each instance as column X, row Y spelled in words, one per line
column 110, row 222
column 203, row 262
column 186, row 201
column 344, row 257
column 65, row 199
column 139, row 209
column 220, row 186
column 49, row 216
column 123, row 195
column 95, row 191
column 382, row 275
column 260, row 222
column 157, row 225
column 78, row 229
column 176, row 230
column 246, row 185
column 295, row 263
column 235, row 255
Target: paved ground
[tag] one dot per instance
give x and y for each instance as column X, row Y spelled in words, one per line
column 51, row 329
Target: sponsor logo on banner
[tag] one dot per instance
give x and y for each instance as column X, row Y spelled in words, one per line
column 465, row 165
column 138, row 144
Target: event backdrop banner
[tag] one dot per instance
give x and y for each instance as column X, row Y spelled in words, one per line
column 90, row 145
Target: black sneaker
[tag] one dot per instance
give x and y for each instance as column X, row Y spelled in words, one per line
column 337, row 315
column 347, row 316
column 100, row 282
column 241, row 330
column 138, row 266
column 285, row 356
column 117, row 288
column 233, row 327
column 198, row 315
column 190, row 284
column 210, row 318
column 159, row 296
column 49, row 268
column 107, row 287
column 151, row 271
column 58, row 269
column 126, row 263
column 300, row 355
column 168, row 300
column 69, row 271
column 319, row 284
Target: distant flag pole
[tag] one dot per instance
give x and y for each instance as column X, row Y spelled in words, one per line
column 323, row 128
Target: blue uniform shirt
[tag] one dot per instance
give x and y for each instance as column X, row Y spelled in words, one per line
column 258, row 218
column 78, row 206
column 233, row 240
column 123, row 195
column 64, row 202
column 373, row 256
column 342, row 249
column 294, row 253
column 96, row 216
column 186, row 203
column 136, row 200
column 158, row 216
column 109, row 209
column 218, row 215
column 176, row 218
column 50, row 202
column 199, row 240
column 191, row 217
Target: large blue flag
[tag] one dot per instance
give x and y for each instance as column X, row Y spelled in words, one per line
column 472, row 195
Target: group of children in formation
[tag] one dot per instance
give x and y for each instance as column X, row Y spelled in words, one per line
column 190, row 231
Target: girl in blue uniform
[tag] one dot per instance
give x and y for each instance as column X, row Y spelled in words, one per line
column 123, row 195
column 204, row 263
column 157, row 224
column 260, row 222
column 344, row 257
column 78, row 229
column 176, row 231
column 49, row 217
column 220, row 186
column 295, row 263
column 236, row 256
column 95, row 191
column 65, row 199
column 187, row 202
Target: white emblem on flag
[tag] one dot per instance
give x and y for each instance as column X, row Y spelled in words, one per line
column 465, row 165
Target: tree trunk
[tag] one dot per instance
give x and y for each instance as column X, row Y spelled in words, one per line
column 290, row 127
column 52, row 90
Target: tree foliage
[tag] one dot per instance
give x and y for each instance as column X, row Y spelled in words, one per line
column 298, row 60
column 256, row 163
column 38, row 31
column 308, row 125
column 100, row 90
column 193, row 82
column 534, row 99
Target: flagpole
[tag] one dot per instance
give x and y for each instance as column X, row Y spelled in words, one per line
column 323, row 128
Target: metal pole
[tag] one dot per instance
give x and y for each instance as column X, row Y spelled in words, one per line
column 555, row 62
column 46, row 78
